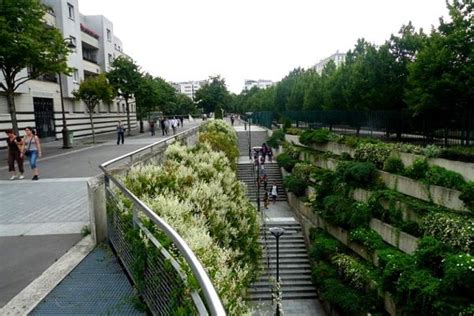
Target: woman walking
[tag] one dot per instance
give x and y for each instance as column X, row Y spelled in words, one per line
column 274, row 193
column 15, row 153
column 32, row 149
column 120, row 132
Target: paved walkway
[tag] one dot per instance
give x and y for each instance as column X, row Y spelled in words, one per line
column 40, row 221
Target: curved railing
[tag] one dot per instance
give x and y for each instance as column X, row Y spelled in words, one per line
column 157, row 303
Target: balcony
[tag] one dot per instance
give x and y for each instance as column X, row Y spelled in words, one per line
column 90, row 68
column 89, row 37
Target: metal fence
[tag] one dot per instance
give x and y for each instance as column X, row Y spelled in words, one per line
column 447, row 128
column 137, row 233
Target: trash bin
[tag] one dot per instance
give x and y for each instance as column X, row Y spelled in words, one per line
column 70, row 138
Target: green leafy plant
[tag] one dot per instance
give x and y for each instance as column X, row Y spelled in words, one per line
column 285, row 160
column 357, row 174
column 418, row 169
column 375, row 153
column 430, row 254
column 323, row 246
column 277, row 137
column 367, row 237
column 460, row 153
column 431, row 151
column 394, row 165
column 440, row 176
column 295, row 185
column 319, row 136
column 293, row 131
column 304, row 170
column 467, row 194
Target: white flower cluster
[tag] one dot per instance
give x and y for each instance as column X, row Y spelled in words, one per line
column 219, row 126
column 198, row 194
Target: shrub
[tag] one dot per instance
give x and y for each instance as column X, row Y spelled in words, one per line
column 467, row 194
column 430, row 254
column 418, row 169
column 375, row 153
column 277, row 137
column 295, row 185
column 286, row 123
column 439, row 176
column 323, row 246
column 319, row 136
column 357, row 174
column 218, row 113
column 431, row 151
column 293, row 131
column 459, row 274
column 460, row 153
column 367, row 237
column 286, row 161
column 221, row 142
column 304, row 170
column 342, row 211
column 393, row 263
column 394, row 165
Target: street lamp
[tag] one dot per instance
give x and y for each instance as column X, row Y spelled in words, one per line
column 64, row 131
column 277, row 232
column 258, row 151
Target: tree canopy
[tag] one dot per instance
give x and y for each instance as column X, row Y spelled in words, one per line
column 213, row 94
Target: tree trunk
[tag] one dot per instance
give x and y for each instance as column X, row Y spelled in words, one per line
column 92, row 126
column 129, row 132
column 12, row 110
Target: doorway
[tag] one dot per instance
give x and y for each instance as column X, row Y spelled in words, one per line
column 44, row 118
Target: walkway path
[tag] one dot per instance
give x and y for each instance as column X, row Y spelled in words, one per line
column 40, row 221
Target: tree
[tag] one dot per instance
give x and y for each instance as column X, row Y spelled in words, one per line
column 27, row 42
column 125, row 77
column 92, row 91
column 212, row 94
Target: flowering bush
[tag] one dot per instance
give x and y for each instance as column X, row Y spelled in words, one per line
column 353, row 271
column 304, row 170
column 222, row 137
column 454, row 230
column 198, row 194
column 374, row 153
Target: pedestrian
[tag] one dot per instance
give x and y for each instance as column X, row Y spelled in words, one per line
column 167, row 126
column 182, row 121
column 15, row 153
column 152, row 128
column 120, row 132
column 232, row 119
column 266, row 200
column 265, row 182
column 264, row 150
column 174, row 125
column 162, row 125
column 274, row 193
column 270, row 154
column 32, row 150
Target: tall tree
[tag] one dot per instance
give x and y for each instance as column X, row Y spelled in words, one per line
column 92, row 91
column 27, row 42
column 213, row 94
column 125, row 77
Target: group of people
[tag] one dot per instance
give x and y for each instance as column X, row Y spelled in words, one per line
column 259, row 157
column 19, row 148
column 166, row 124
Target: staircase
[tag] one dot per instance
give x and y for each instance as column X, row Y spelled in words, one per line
column 295, row 269
column 245, row 174
column 257, row 139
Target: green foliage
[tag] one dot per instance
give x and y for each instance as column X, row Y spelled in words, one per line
column 430, row 254
column 323, row 246
column 293, row 131
column 459, row 274
column 304, row 170
column 218, row 115
column 454, row 230
column 445, row 178
column 459, row 153
column 375, row 153
column 367, row 237
column 277, row 137
column 357, row 174
column 285, row 160
column 394, row 165
column 418, row 169
column 467, row 194
column 295, row 185
column 213, row 94
column 319, row 136
column 344, row 212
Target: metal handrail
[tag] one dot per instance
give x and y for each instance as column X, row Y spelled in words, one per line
column 212, row 299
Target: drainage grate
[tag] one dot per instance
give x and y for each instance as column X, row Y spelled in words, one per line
column 97, row 286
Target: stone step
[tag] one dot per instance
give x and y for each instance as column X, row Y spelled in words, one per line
column 285, row 277
column 263, row 262
column 285, row 296
column 290, row 266
column 292, row 283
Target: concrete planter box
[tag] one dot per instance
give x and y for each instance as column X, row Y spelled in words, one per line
column 432, row 193
column 293, row 139
column 466, row 169
column 335, row 148
column 394, row 236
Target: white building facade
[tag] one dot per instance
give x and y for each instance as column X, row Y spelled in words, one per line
column 338, row 58
column 38, row 102
column 261, row 83
column 189, row 88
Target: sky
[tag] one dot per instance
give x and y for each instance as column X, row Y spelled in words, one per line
column 181, row 40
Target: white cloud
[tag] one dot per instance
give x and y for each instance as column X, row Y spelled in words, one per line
column 251, row 39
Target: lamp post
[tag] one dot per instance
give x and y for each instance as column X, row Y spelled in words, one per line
column 258, row 179
column 64, row 130
column 277, row 232
column 250, row 140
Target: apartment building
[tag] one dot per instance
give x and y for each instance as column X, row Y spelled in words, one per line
column 38, row 102
column 189, row 88
column 338, row 58
column 260, row 83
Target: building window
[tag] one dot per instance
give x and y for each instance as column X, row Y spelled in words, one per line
column 70, row 8
column 118, row 107
column 109, row 35
column 75, row 75
column 111, row 59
